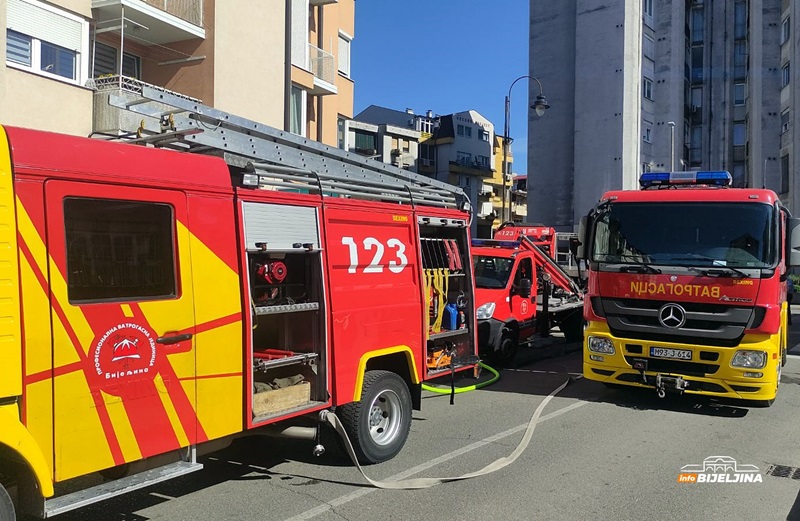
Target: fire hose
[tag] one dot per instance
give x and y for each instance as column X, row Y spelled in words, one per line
column 418, row 483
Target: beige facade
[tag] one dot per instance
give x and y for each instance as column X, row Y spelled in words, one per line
column 238, row 56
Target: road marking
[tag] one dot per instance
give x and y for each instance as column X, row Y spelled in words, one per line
column 314, row 512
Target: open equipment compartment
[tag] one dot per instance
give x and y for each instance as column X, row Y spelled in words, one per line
column 447, row 285
column 288, row 309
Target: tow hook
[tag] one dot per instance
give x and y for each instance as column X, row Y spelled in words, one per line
column 669, row 383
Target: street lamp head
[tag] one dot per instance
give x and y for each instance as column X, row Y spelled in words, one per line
column 540, row 105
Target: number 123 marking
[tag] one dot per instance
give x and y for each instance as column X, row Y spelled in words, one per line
column 396, row 265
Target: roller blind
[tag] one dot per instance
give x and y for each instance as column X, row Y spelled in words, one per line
column 34, row 20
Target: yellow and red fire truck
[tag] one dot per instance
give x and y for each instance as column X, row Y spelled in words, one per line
column 156, row 303
column 687, row 287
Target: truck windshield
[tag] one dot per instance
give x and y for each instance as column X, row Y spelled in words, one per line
column 736, row 235
column 492, row 272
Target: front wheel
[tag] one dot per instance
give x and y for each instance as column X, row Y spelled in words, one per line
column 507, row 350
column 7, row 512
column 378, row 425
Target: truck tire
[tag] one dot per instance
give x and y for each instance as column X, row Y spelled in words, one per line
column 7, row 512
column 507, row 350
column 378, row 425
column 572, row 326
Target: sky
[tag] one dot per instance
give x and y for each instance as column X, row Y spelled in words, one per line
column 446, row 56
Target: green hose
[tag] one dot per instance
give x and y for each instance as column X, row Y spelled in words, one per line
column 443, row 390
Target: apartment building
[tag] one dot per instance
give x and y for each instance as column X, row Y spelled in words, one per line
column 456, row 148
column 641, row 85
column 285, row 63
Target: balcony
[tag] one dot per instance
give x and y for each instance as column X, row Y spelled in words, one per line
column 150, row 22
column 322, row 65
column 520, row 210
column 112, row 120
column 470, row 167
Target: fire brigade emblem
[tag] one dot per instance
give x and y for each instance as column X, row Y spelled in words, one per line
column 124, row 352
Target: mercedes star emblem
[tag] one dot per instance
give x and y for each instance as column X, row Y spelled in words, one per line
column 672, row 316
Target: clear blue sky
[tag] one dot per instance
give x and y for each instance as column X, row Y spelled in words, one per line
column 446, row 56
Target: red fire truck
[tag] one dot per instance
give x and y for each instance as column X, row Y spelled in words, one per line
column 687, row 287
column 520, row 291
column 157, row 304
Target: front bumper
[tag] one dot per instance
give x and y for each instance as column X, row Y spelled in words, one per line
column 709, row 372
column 490, row 331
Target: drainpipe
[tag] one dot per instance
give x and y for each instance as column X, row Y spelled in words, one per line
column 287, row 72
column 320, row 41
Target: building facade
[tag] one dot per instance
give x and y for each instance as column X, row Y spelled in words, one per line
column 69, row 55
column 641, row 85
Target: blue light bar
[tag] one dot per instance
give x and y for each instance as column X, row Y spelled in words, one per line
column 693, row 177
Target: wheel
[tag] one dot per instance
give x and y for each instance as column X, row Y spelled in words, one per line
column 378, row 425
column 572, row 326
column 7, row 512
column 507, row 350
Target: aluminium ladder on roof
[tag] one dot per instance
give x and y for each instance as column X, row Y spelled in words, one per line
column 281, row 160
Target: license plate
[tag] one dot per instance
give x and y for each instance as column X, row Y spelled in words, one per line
column 678, row 354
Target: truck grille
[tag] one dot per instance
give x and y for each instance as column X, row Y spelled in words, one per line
column 706, row 324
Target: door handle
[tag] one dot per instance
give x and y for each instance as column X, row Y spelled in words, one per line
column 174, row 339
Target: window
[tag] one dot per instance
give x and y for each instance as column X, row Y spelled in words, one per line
column 460, row 130
column 785, row 33
column 698, row 24
column 739, row 134
column 483, row 135
column 119, row 250
column 697, row 99
column 105, row 62
column 739, row 94
column 740, row 59
column 784, row 174
column 785, row 120
column 365, row 142
column 647, row 88
column 647, row 137
column 647, row 7
column 298, row 112
column 739, row 175
column 344, row 54
column 697, row 64
column 649, row 47
column 740, row 20
column 47, row 40
column 464, row 158
column 341, row 133
column 785, row 75
column 483, row 161
column 467, row 131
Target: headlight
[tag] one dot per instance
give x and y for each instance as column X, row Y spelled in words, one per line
column 601, row 344
column 755, row 359
column 485, row 311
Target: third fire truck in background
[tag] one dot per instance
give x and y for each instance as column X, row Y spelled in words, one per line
column 687, row 286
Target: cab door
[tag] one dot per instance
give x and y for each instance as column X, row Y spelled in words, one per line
column 524, row 308
column 122, row 315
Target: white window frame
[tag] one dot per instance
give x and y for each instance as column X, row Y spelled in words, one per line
column 343, row 58
column 786, row 29
column 647, row 10
column 736, row 101
column 81, row 54
column 647, row 137
column 785, row 115
column 786, row 77
column 647, row 88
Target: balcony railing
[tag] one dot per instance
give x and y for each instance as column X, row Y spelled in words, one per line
column 127, row 84
column 189, row 10
column 321, row 64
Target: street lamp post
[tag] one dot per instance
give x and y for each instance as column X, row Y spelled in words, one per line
column 540, row 106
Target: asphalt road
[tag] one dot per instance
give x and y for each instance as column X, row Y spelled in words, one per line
column 597, row 453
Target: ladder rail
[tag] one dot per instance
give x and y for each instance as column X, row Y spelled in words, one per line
column 195, row 125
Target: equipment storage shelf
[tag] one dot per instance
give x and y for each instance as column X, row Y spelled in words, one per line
column 288, row 360
column 447, row 278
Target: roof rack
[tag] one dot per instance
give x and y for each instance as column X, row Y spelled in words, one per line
column 278, row 160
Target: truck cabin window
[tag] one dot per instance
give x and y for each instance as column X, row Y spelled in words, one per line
column 492, row 272
column 119, row 250
column 737, row 235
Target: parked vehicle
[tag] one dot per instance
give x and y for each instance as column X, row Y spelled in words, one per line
column 687, row 286
column 158, row 304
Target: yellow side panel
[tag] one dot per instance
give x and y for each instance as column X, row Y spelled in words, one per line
column 122, row 427
column 10, row 334
column 14, row 435
column 218, row 344
column 174, row 419
column 39, row 418
column 219, row 421
column 81, row 432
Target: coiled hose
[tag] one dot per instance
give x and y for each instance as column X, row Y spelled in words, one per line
column 479, row 385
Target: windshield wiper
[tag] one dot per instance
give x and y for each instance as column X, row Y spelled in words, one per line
column 719, row 272
column 639, row 268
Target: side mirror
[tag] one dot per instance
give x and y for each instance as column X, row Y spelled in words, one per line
column 524, row 288
column 579, row 244
column 793, row 242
